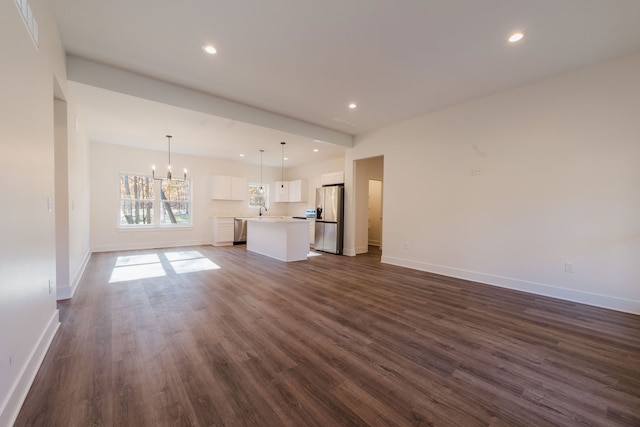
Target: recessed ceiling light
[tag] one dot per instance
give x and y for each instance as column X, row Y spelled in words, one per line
column 516, row 37
column 241, row 155
column 315, row 150
column 352, row 105
column 286, row 158
column 209, row 49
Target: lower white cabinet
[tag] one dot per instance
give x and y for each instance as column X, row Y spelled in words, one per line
column 312, row 232
column 222, row 231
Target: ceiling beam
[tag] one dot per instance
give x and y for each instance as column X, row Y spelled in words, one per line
column 92, row 73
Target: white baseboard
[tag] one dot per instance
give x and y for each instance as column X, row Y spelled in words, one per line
column 147, row 245
column 597, row 300
column 66, row 292
column 362, row 249
column 11, row 407
column 348, row 252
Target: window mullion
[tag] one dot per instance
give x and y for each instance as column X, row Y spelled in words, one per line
column 157, row 203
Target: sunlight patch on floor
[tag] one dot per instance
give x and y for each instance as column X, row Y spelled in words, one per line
column 180, row 255
column 137, row 260
column 147, row 266
column 193, row 265
column 189, row 262
column 135, row 272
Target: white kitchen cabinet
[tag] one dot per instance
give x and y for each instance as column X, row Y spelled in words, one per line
column 229, row 187
column 280, row 238
column 282, row 191
column 312, row 232
column 289, row 191
column 239, row 188
column 295, row 191
column 222, row 231
column 220, row 187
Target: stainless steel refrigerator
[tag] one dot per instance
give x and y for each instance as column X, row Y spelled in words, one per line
column 329, row 219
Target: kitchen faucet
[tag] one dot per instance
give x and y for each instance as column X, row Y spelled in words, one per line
column 265, row 209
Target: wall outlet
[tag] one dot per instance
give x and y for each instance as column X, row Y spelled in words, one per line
column 569, row 267
column 406, row 245
column 50, row 285
column 475, row 171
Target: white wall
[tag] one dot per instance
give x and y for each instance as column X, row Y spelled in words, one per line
column 558, row 182
column 61, row 173
column 108, row 161
column 28, row 314
column 79, row 198
column 71, row 172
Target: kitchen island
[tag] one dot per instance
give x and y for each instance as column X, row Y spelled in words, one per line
column 284, row 239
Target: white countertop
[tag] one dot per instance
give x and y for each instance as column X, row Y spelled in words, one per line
column 275, row 219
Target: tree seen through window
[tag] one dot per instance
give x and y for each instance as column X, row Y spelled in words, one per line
column 142, row 202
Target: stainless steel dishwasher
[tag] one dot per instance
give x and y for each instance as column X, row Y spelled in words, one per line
column 239, row 231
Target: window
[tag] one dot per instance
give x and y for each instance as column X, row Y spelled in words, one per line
column 136, row 200
column 175, row 203
column 148, row 202
column 259, row 195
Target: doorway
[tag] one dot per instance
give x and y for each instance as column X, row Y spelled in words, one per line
column 375, row 213
column 369, row 205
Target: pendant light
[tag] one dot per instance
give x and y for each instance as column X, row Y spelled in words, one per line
column 261, row 192
column 282, row 183
column 261, row 188
column 153, row 168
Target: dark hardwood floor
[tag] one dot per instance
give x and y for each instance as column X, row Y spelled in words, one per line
column 332, row 341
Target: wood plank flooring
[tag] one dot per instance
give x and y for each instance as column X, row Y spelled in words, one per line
column 332, row 341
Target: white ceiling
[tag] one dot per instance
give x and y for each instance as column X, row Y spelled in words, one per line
column 307, row 60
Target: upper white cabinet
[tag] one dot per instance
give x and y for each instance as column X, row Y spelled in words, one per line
column 220, row 187
column 282, row 191
column 332, row 178
column 295, row 191
column 239, row 188
column 289, row 191
column 229, row 187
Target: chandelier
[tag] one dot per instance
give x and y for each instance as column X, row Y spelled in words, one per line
column 169, row 177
